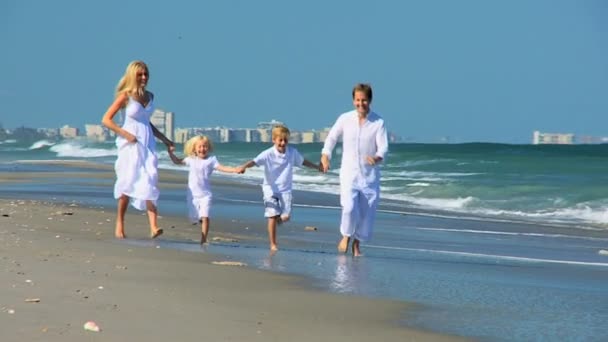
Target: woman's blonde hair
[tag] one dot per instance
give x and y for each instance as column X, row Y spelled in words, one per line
column 128, row 83
column 191, row 143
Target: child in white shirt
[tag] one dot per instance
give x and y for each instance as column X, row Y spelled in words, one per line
column 278, row 162
column 202, row 164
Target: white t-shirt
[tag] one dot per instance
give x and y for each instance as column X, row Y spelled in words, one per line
column 278, row 169
column 199, row 174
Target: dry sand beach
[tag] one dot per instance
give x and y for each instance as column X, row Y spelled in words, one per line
column 61, row 267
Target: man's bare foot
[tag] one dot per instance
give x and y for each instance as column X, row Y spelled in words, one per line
column 356, row 250
column 343, row 245
column 274, row 248
column 156, row 233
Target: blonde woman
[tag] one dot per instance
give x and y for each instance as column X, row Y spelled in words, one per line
column 202, row 164
column 137, row 162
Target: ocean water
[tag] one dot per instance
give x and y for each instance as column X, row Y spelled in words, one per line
column 496, row 242
column 553, row 184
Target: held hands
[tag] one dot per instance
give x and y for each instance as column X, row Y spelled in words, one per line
column 324, row 165
column 170, row 146
column 240, row 170
column 371, row 160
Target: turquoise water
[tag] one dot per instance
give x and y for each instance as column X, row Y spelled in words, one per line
column 552, row 184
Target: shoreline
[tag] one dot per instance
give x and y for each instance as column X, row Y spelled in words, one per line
column 175, row 179
column 66, row 256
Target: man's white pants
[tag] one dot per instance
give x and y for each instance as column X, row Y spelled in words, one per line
column 358, row 211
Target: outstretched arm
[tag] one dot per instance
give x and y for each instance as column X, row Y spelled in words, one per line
column 163, row 138
column 228, row 169
column 330, row 142
column 312, row 165
column 248, row 165
column 174, row 158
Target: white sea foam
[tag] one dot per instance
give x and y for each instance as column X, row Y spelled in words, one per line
column 419, row 184
column 40, row 144
column 440, row 175
column 77, row 149
column 495, row 257
column 432, row 203
column 410, row 163
column 579, row 213
column 491, row 232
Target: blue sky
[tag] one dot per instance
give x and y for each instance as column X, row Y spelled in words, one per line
column 478, row 70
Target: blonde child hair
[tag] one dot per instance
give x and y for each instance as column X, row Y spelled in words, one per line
column 191, row 143
column 128, row 82
column 280, row 131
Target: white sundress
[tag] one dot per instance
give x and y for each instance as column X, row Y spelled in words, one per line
column 137, row 163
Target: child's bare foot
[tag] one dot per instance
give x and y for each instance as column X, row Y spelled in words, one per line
column 356, row 250
column 343, row 245
column 274, row 248
column 156, row 233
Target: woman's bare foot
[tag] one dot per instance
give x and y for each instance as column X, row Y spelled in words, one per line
column 154, row 233
column 119, row 233
column 356, row 250
column 274, row 248
column 343, row 245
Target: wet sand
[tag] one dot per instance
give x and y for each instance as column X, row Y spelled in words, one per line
column 61, row 267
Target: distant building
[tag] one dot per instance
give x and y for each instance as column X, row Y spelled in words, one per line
column 264, row 134
column 269, row 124
column 97, row 132
column 164, row 122
column 295, row 137
column 49, row 132
column 215, row 134
column 588, row 139
column 322, row 135
column 181, row 135
column 552, row 138
column 68, row 132
column 243, row 135
column 307, row 137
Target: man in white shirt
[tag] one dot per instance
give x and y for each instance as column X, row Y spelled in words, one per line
column 364, row 146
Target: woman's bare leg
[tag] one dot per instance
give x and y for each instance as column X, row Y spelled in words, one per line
column 343, row 244
column 153, row 217
column 123, row 203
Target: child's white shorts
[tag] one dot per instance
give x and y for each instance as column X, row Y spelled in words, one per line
column 199, row 207
column 277, row 204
